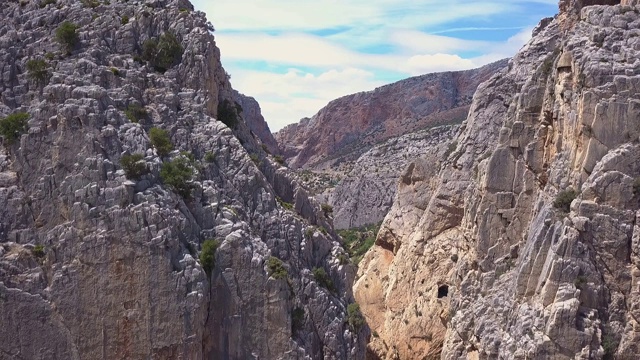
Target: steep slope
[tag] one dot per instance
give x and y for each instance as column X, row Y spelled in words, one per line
column 493, row 257
column 365, row 194
column 252, row 116
column 97, row 262
column 350, row 126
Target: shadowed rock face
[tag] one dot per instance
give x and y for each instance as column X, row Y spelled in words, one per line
column 255, row 122
column 525, row 279
column 94, row 265
column 349, row 126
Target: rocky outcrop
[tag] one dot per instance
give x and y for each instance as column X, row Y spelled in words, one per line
column 252, row 116
column 365, row 194
column 95, row 265
column 493, row 257
column 348, row 127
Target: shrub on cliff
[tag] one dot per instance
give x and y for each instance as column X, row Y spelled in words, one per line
column 161, row 141
column 323, row 278
column 354, row 316
column 162, row 53
column 135, row 113
column 134, row 166
column 38, row 70
column 208, row 255
column 276, row 268
column 13, row 126
column 177, row 174
column 564, row 199
column 67, row 36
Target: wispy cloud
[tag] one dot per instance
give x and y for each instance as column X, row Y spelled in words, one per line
column 296, row 55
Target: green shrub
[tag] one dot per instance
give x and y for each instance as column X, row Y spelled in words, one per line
column 13, row 126
column 38, row 70
column 255, row 159
column 564, row 199
column 135, row 113
column 115, row 71
column 210, row 157
column 279, row 159
column 284, row 204
column 162, row 53
column 90, row 3
column 67, row 36
column 49, row 56
column 310, row 231
column 161, row 141
column 610, row 345
column 208, row 255
column 354, row 316
column 297, row 319
column 357, row 241
column 327, row 210
column 38, row 251
column 580, row 282
column 124, row 20
column 276, row 268
column 323, row 278
column 134, row 166
column 44, row 3
column 229, row 114
column 177, row 174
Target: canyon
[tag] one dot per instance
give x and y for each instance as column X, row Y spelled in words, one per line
column 148, row 212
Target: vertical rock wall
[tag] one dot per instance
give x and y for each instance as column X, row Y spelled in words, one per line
column 524, row 278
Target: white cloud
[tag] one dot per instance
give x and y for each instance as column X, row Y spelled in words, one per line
column 288, row 97
column 371, row 37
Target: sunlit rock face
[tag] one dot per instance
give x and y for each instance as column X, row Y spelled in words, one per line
column 532, row 271
column 98, row 265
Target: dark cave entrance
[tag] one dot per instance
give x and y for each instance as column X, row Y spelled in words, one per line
column 443, row 291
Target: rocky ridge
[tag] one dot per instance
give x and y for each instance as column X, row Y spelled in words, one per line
column 95, row 265
column 350, row 126
column 494, row 256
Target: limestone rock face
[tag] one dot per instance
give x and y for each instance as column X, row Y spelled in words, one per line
column 365, row 194
column 94, row 265
column 477, row 262
column 348, row 127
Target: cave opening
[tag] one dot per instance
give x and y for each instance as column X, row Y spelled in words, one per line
column 443, row 291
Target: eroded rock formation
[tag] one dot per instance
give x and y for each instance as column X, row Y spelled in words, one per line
column 95, row 265
column 493, row 257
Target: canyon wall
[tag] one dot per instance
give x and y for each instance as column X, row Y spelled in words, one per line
column 523, row 244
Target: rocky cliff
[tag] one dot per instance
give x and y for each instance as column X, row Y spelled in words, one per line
column 139, row 216
column 524, row 243
column 365, row 193
column 350, row 126
column 252, row 116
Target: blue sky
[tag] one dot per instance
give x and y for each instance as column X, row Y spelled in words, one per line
column 294, row 56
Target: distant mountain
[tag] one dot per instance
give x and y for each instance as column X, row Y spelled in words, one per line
column 349, row 126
